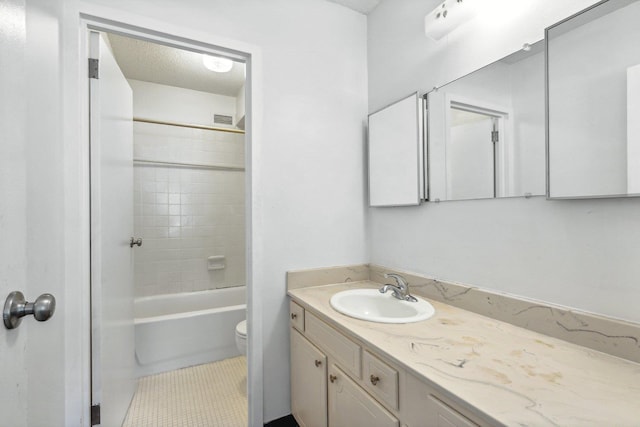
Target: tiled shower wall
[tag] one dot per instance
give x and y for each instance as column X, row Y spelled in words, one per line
column 187, row 214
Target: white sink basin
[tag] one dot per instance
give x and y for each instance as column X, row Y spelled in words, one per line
column 371, row 305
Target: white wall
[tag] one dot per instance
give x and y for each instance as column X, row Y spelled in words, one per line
column 577, row 253
column 311, row 209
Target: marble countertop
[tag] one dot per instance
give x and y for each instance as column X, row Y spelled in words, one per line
column 512, row 375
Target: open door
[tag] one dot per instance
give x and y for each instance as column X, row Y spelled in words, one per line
column 112, row 330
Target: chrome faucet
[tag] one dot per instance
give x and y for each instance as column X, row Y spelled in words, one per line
column 400, row 289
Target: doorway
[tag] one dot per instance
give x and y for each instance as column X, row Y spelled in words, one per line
column 188, row 215
column 475, row 149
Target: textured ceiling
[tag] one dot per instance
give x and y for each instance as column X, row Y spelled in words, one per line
column 150, row 62
column 362, row 6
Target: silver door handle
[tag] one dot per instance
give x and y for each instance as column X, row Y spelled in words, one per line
column 16, row 307
column 134, row 241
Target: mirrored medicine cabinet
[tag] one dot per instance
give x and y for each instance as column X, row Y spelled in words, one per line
column 486, row 134
column 594, row 102
column 396, row 156
column 493, row 134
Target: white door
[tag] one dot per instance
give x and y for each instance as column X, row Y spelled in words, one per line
column 13, row 209
column 112, row 330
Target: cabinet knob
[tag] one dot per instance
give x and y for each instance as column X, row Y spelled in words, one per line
column 332, row 378
column 374, row 380
column 318, row 363
column 293, row 316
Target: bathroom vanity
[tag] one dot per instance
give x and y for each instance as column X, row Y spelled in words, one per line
column 340, row 381
column 457, row 368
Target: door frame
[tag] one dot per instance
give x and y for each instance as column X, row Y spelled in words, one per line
column 502, row 161
column 98, row 18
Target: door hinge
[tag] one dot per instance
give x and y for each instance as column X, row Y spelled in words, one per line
column 495, row 136
column 94, row 68
column 95, row 415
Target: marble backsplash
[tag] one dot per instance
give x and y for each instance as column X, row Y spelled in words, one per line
column 612, row 336
column 327, row 276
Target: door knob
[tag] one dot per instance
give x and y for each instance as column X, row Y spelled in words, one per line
column 134, row 241
column 16, row 307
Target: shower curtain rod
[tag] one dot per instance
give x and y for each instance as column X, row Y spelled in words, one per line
column 187, row 125
column 188, row 165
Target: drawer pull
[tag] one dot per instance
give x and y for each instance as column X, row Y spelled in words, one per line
column 332, row 378
column 293, row 316
column 374, row 380
column 318, row 363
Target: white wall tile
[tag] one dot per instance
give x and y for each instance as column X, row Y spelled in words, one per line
column 185, row 215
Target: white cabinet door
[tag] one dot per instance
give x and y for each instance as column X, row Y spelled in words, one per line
column 351, row 406
column 396, row 154
column 446, row 416
column 112, row 344
column 308, row 382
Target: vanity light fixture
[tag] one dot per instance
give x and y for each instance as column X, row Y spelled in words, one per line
column 447, row 16
column 217, row 63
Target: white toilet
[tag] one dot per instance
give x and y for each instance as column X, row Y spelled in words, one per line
column 241, row 337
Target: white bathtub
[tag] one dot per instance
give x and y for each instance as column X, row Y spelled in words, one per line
column 178, row 330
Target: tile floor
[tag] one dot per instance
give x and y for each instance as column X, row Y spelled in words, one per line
column 210, row 395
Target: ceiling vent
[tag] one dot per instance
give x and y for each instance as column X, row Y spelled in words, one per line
column 220, row 119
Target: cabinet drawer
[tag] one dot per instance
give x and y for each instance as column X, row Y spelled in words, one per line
column 380, row 379
column 296, row 314
column 343, row 350
column 449, row 417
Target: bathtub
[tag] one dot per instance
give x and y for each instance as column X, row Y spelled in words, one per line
column 175, row 331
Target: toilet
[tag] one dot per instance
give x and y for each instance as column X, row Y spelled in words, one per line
column 241, row 337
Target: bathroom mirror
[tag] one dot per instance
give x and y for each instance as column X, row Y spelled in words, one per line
column 486, row 135
column 593, row 68
column 396, row 169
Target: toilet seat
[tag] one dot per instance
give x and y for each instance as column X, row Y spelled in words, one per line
column 241, row 329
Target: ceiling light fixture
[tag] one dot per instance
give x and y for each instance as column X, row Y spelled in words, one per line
column 447, row 16
column 217, row 64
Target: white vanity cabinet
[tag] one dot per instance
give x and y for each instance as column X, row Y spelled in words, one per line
column 339, row 382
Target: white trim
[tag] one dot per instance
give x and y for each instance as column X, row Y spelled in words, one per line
column 77, row 225
column 105, row 18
